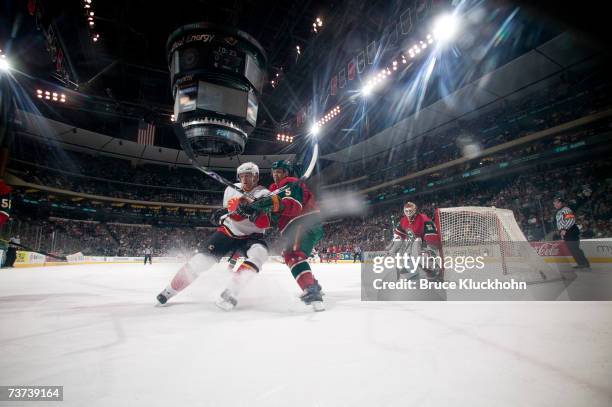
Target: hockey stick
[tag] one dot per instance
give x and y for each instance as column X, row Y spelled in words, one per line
column 180, row 135
column 178, row 130
column 29, row 249
column 303, row 177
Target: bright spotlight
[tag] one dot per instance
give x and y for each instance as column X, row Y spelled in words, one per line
column 445, row 27
column 315, row 129
column 4, row 63
column 366, row 90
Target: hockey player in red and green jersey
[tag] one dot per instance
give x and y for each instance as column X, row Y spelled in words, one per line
column 295, row 214
column 5, row 200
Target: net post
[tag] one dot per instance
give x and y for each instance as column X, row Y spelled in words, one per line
column 502, row 247
column 439, row 231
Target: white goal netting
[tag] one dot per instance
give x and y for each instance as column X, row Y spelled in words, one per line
column 493, row 234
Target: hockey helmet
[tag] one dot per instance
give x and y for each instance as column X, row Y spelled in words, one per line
column 282, row 164
column 410, row 209
column 248, row 167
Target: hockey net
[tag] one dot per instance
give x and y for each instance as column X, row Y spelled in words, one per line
column 493, row 234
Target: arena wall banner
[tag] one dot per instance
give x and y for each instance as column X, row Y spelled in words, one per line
column 29, row 258
column 22, row 257
column 169, row 259
column 75, row 258
column 598, row 251
column 95, row 259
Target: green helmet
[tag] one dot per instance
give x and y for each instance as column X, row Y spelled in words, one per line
column 282, row 164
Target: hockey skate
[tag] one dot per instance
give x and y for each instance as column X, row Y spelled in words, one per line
column 227, row 302
column 163, row 297
column 312, row 295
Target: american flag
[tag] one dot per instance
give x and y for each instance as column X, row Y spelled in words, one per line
column 146, row 133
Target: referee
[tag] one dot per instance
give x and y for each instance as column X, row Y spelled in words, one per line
column 566, row 223
column 147, row 255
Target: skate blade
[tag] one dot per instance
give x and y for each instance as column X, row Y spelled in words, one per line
column 224, row 305
column 318, row 306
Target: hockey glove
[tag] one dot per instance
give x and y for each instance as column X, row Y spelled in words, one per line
column 270, row 202
column 248, row 211
column 216, row 216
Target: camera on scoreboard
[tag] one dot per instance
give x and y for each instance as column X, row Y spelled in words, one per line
column 217, row 74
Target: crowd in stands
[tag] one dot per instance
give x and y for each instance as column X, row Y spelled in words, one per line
column 103, row 187
column 67, row 236
column 586, row 186
column 544, row 110
column 528, row 192
column 43, row 164
column 528, row 195
column 110, row 168
column 593, row 137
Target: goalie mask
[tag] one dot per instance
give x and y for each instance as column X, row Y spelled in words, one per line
column 410, row 209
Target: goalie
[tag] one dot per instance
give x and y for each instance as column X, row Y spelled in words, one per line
column 414, row 226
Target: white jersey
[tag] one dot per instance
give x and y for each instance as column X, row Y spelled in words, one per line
column 242, row 227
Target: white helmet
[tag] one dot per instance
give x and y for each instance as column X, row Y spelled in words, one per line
column 248, row 167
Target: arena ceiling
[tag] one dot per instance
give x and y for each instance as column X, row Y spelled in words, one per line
column 123, row 76
column 543, row 67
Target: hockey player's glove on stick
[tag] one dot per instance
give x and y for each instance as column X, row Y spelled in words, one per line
column 267, row 203
column 251, row 210
column 247, row 211
column 217, row 216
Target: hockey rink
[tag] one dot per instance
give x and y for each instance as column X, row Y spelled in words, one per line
column 94, row 329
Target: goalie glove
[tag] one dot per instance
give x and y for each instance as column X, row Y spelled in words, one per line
column 399, row 244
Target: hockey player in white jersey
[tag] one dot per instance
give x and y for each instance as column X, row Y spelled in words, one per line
column 235, row 233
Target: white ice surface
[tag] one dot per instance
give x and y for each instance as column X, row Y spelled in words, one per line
column 94, row 330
